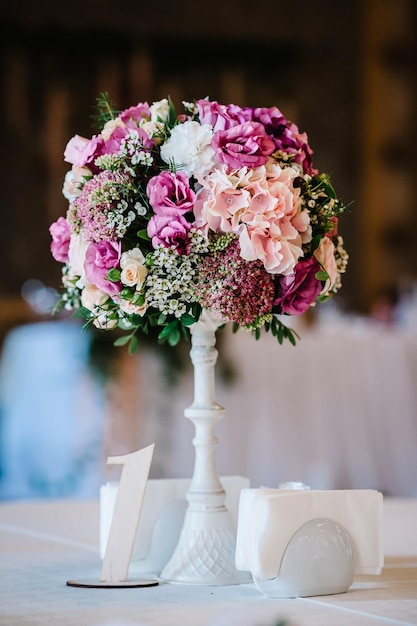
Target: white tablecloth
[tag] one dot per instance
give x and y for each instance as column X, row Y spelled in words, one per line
column 46, row 543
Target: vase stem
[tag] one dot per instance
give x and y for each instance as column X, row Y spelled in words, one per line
column 205, row 553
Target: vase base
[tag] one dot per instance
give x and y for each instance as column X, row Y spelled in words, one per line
column 204, row 557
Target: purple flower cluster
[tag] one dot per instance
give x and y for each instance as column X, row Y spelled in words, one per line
column 100, row 196
column 236, row 290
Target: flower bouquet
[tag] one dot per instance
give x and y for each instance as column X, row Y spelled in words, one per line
column 216, row 208
column 180, row 223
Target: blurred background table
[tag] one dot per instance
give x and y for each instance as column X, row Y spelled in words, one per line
column 337, row 411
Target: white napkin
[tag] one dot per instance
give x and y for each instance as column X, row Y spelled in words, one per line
column 268, row 518
column 162, row 516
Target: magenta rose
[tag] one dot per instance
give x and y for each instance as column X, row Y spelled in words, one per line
column 61, row 235
column 170, row 194
column 81, row 151
column 286, row 136
column 99, row 259
column 137, row 112
column 243, row 145
column 296, row 292
column 169, row 231
column 221, row 116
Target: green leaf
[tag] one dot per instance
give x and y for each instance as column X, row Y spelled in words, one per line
column 291, row 337
column 168, row 329
column 142, row 234
column 322, row 275
column 133, row 345
column 174, row 337
column 113, row 275
column 196, row 311
column 187, row 319
column 172, row 114
column 83, row 313
column 122, row 341
column 126, row 293
column 138, row 299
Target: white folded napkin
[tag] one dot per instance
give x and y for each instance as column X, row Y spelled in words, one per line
column 268, row 519
column 162, row 516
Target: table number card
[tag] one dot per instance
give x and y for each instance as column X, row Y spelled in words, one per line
column 127, row 510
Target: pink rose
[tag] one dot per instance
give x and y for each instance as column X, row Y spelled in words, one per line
column 112, row 144
column 81, row 151
column 138, row 112
column 243, row 145
column 169, row 231
column 299, row 290
column 170, row 194
column 221, row 116
column 325, row 255
column 99, row 259
column 61, row 235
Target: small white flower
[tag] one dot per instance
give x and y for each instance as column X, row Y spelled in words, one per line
column 140, row 209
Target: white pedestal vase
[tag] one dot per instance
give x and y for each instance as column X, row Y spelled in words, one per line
column 205, row 553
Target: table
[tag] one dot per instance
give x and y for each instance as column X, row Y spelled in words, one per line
column 45, row 543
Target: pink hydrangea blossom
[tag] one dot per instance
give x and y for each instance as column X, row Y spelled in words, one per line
column 299, row 290
column 244, row 145
column 220, row 201
column 99, row 259
column 61, row 236
column 263, row 207
column 169, row 193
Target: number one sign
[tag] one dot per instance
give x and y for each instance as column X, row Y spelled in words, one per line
column 124, row 525
column 126, row 513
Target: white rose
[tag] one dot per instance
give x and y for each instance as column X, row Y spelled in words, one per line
column 130, row 308
column 133, row 268
column 189, row 146
column 159, row 110
column 152, row 129
column 74, row 181
column 92, row 297
column 76, row 254
column 103, row 322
